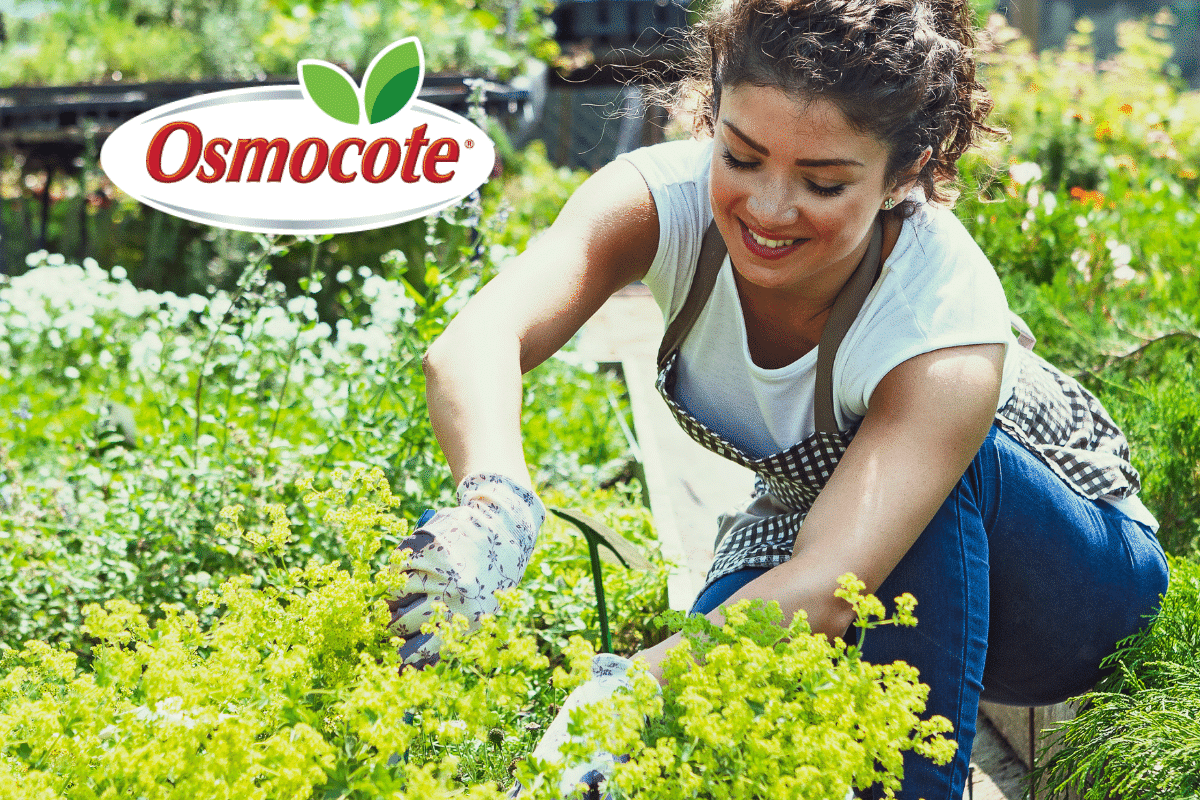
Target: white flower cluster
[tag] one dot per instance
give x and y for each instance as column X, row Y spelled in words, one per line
column 82, row 316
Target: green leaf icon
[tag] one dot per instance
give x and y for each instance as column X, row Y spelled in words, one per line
column 331, row 89
column 393, row 79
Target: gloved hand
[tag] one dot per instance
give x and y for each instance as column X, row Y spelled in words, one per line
column 609, row 674
column 463, row 556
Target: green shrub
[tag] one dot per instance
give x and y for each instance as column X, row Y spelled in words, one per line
column 1163, row 422
column 757, row 709
column 1137, row 733
column 1082, row 123
column 560, row 594
column 234, row 397
column 1089, row 214
column 294, row 691
column 86, row 41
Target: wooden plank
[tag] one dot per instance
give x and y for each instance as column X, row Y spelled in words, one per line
column 1014, row 724
column 688, row 486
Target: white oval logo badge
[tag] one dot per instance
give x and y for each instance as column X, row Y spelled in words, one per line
column 321, row 157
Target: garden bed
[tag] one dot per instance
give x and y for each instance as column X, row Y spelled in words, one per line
column 1091, row 219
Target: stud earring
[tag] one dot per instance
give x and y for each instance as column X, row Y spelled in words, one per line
column 889, row 204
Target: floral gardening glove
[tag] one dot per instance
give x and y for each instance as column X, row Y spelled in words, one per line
column 463, row 556
column 609, row 674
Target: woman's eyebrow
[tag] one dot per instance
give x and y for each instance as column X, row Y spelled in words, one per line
column 800, row 162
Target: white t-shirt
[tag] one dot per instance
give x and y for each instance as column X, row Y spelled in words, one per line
column 936, row 290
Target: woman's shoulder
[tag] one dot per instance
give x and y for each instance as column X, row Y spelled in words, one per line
column 937, row 281
column 677, row 175
column 667, row 163
column 934, row 244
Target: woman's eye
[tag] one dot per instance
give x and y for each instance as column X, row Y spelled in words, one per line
column 734, row 163
column 826, row 191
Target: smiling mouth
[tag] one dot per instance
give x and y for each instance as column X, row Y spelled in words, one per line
column 772, row 243
column 765, row 247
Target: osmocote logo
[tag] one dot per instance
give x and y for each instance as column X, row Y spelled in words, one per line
column 321, row 157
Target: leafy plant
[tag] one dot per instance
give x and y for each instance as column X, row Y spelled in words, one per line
column 145, row 40
column 560, row 602
column 760, row 709
column 292, row 691
column 233, row 397
column 1082, row 122
column 1164, row 422
column 1137, row 733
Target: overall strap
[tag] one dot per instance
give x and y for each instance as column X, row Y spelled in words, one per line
column 845, row 309
column 712, row 255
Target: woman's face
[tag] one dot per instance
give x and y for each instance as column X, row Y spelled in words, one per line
column 795, row 191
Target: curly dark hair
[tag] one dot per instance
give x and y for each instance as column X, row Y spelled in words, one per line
column 900, row 70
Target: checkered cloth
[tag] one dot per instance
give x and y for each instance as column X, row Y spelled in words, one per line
column 1062, row 424
column 1049, row 413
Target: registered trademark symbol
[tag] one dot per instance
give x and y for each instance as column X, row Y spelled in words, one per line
column 469, row 143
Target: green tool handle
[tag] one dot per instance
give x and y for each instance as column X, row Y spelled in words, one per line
column 594, row 553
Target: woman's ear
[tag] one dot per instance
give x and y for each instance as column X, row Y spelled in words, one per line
column 909, row 178
column 922, row 160
column 914, row 170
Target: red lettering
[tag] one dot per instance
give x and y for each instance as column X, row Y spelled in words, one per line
column 435, row 156
column 335, row 159
column 260, row 146
column 389, row 166
column 296, row 166
column 155, row 151
column 413, row 147
column 219, row 159
column 214, row 161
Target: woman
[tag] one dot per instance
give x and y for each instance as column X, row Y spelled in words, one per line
column 919, row 446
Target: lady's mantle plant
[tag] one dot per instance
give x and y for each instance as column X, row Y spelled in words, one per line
column 295, row 691
column 755, row 709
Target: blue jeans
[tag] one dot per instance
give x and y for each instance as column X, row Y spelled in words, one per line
column 1022, row 588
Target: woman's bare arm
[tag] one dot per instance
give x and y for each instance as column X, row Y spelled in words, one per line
column 605, row 237
column 927, row 420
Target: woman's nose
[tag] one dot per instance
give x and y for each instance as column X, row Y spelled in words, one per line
column 772, row 205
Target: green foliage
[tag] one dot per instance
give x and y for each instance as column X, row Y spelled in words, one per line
column 88, row 41
column 534, row 191
column 1164, row 421
column 561, row 599
column 1138, row 734
column 1083, row 123
column 293, row 691
column 234, row 397
column 759, row 709
column 1092, row 225
column 1099, row 282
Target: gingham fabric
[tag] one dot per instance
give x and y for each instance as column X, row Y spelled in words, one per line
column 794, row 477
column 1050, row 414
column 1061, row 423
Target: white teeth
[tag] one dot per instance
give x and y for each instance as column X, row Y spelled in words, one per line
column 771, row 242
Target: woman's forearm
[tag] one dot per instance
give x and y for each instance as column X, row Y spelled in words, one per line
column 473, row 389
column 794, row 589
